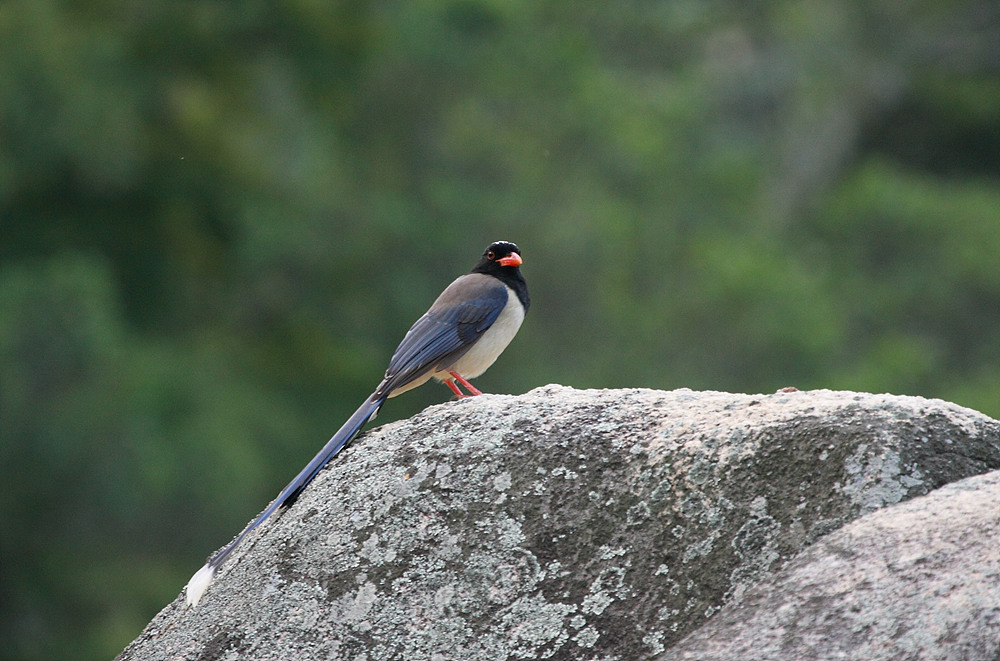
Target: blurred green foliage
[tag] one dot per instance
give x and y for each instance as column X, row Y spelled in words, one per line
column 217, row 220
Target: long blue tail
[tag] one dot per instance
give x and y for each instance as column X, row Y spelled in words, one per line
column 201, row 580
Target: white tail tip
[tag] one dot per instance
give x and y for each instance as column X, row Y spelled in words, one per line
column 198, row 584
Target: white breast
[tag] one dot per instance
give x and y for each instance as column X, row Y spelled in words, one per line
column 493, row 341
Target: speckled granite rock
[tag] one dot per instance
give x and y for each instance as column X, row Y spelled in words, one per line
column 563, row 523
column 918, row 580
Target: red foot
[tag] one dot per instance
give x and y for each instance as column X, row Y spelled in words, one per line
column 473, row 390
column 454, row 389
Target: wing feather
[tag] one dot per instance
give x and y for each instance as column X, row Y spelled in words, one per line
column 447, row 330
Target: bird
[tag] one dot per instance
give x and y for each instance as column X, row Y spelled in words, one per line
column 463, row 332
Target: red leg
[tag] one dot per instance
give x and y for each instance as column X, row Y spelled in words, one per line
column 454, row 388
column 468, row 386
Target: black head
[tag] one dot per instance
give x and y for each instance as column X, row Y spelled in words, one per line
column 502, row 260
column 499, row 256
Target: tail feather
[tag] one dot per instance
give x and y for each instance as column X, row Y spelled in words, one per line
column 203, row 577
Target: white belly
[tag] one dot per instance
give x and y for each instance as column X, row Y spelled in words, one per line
column 484, row 352
column 489, row 347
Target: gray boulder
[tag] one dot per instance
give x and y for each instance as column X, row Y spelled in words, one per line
column 574, row 524
column 919, row 580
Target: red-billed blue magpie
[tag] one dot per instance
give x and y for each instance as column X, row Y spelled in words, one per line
column 457, row 339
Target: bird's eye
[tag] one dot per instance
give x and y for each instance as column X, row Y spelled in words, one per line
column 490, row 254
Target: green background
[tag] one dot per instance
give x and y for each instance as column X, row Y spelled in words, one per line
column 218, row 218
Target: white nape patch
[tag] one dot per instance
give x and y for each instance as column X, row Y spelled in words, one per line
column 196, row 587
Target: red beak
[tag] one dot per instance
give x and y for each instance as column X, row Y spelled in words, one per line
column 512, row 259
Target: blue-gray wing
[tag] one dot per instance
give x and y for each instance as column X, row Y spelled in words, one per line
column 447, row 330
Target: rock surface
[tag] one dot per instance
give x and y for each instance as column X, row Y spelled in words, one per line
column 609, row 524
column 919, row 580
